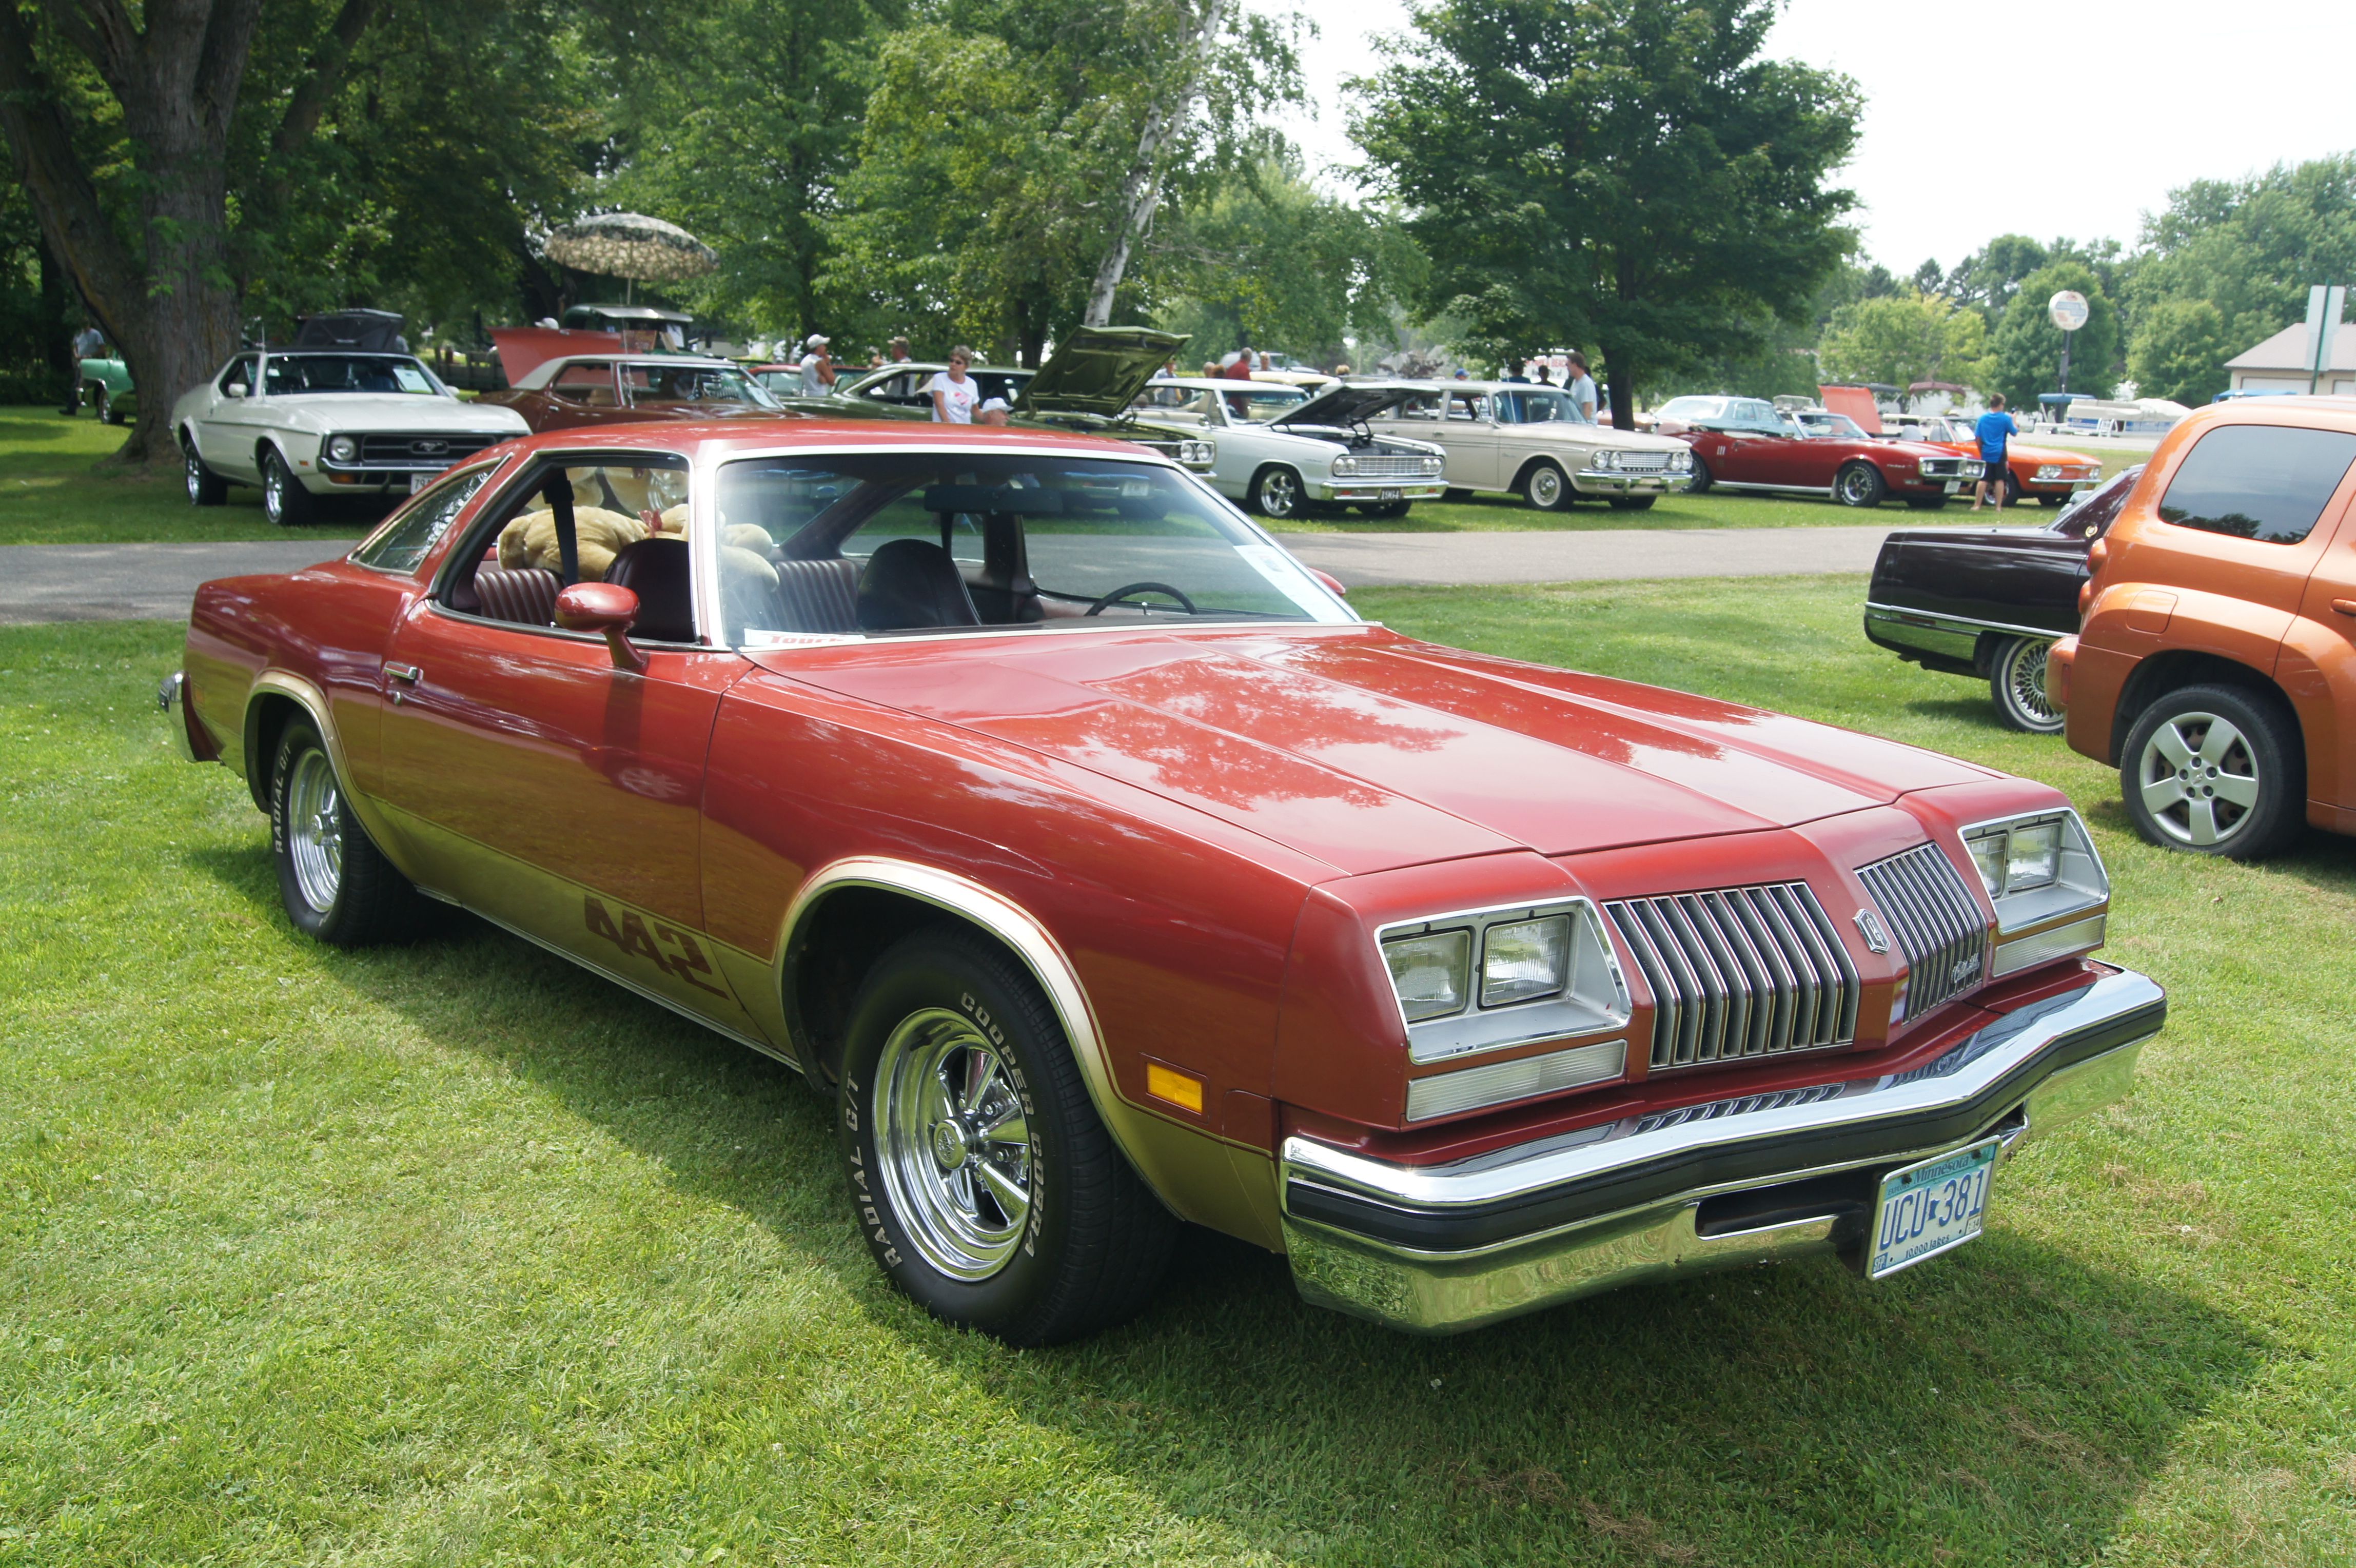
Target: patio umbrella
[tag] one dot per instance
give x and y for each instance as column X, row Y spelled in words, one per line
column 633, row 246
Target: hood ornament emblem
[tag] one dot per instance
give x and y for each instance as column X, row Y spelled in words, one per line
column 1869, row 925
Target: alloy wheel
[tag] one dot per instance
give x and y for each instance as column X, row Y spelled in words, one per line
column 2199, row 778
column 315, row 830
column 1857, row 485
column 1279, row 493
column 194, row 471
column 273, row 491
column 953, row 1142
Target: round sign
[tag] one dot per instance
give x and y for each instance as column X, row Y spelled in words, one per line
column 2068, row 310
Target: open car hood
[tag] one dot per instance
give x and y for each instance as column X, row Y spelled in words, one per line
column 1099, row 371
column 1344, row 404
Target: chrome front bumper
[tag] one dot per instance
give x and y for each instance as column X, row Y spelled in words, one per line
column 1615, row 482
column 1445, row 1248
column 1376, row 490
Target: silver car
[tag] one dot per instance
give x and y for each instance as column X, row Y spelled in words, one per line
column 1281, row 451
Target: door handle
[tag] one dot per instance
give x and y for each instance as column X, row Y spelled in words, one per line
column 407, row 674
column 2345, row 607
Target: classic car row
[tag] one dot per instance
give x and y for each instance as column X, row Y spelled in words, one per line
column 1104, row 870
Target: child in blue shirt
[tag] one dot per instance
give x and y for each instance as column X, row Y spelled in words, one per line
column 1994, row 428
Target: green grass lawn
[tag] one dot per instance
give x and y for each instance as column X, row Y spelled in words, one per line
column 455, row 1254
column 50, row 494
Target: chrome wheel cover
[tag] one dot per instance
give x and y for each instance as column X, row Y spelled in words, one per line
column 2024, row 686
column 1279, row 493
column 2197, row 775
column 953, row 1144
column 1545, row 489
column 315, row 830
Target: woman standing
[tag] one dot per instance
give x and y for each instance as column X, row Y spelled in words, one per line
column 954, row 393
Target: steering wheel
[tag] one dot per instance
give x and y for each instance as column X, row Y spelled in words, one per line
column 1121, row 593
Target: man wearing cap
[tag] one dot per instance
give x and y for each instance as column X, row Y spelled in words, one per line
column 993, row 410
column 818, row 367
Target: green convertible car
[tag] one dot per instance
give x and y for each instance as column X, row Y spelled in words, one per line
column 105, row 385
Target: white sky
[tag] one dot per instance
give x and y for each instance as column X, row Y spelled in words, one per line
column 2158, row 93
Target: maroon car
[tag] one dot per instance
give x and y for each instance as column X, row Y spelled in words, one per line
column 1747, row 444
column 631, row 389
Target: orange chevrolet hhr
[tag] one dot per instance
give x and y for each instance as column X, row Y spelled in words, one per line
column 2214, row 662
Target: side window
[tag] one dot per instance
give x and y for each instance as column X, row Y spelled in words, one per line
column 239, row 372
column 1426, row 406
column 412, row 532
column 2267, row 482
column 585, row 383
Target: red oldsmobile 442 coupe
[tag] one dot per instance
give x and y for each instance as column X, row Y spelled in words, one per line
column 1747, row 444
column 1104, row 871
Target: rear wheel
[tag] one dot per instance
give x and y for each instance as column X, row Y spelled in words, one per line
column 2017, row 681
column 1545, row 487
column 337, row 885
column 979, row 1172
column 2215, row 770
column 1633, row 503
column 284, row 501
column 107, row 412
column 1276, row 492
column 1701, row 477
column 205, row 487
column 1860, row 485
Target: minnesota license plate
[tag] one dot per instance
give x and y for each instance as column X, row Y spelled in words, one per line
column 1928, row 1208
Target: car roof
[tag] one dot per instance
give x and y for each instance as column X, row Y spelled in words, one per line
column 745, row 436
column 330, row 353
column 547, row 371
column 1218, row 384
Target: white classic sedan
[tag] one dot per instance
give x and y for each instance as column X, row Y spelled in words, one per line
column 1281, row 451
column 307, row 423
column 1529, row 441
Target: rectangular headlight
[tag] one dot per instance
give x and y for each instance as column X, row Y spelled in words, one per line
column 1524, row 961
column 1432, row 972
column 2036, row 867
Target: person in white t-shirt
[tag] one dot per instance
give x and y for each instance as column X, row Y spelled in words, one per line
column 955, row 393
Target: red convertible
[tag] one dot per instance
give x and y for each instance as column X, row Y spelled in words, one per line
column 1750, row 445
column 1104, row 871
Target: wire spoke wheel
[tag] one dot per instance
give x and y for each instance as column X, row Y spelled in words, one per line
column 2198, row 776
column 953, row 1142
column 2018, row 683
column 315, row 830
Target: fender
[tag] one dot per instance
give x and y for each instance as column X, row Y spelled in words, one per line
column 1206, row 1179
column 314, row 703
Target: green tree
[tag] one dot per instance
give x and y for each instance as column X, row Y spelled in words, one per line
column 1986, row 280
column 2025, row 351
column 2179, row 351
column 1901, row 340
column 1614, row 172
column 2248, row 248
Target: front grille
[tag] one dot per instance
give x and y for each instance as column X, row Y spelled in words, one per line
column 1388, row 467
column 421, row 450
column 1938, row 924
column 1644, row 462
column 1739, row 972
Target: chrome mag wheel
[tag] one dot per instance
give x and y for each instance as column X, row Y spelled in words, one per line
column 1860, row 485
column 273, row 491
column 2198, row 776
column 953, row 1142
column 315, row 830
column 1278, row 492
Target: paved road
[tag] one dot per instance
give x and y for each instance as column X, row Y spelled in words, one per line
column 125, row 582
column 134, row 582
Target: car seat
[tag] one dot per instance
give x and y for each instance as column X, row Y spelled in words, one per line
column 912, row 582
column 658, row 571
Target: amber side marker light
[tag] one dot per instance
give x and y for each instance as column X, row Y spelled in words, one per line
column 1167, row 1083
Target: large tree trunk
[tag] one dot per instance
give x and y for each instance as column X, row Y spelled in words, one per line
column 1622, row 377
column 1141, row 189
column 163, row 293
column 57, row 332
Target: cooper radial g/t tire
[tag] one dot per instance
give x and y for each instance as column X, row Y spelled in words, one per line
column 2017, row 681
column 337, row 885
column 2216, row 770
column 1860, row 485
column 979, row 1172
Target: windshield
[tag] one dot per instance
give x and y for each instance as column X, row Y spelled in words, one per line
column 347, row 373
column 917, row 541
column 692, row 384
column 1831, row 425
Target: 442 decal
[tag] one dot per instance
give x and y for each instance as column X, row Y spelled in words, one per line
column 666, row 947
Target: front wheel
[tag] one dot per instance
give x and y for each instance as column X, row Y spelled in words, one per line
column 2215, row 770
column 1275, row 492
column 1701, row 480
column 1860, row 485
column 205, row 487
column 284, row 501
column 979, row 1172
column 1545, row 489
column 2017, row 681
column 337, row 885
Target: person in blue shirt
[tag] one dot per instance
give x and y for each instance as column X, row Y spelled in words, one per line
column 1994, row 428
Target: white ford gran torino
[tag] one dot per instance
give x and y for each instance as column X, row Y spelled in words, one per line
column 308, row 422
column 1281, row 452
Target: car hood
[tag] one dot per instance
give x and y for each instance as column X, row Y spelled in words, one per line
column 1369, row 751
column 402, row 412
column 1099, row 369
column 1345, row 404
column 2017, row 449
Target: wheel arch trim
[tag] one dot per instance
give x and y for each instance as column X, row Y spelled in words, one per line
column 2172, row 669
column 285, row 685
